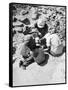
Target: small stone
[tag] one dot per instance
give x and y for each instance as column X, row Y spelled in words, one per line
column 26, row 21
column 15, row 19
column 13, row 50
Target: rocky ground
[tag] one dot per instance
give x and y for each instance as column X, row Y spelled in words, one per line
column 24, row 18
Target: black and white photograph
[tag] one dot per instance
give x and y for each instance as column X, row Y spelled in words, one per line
column 37, row 44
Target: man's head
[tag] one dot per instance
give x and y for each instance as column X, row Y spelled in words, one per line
column 41, row 22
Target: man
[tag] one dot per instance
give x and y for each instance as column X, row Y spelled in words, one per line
column 37, row 56
column 53, row 41
column 41, row 26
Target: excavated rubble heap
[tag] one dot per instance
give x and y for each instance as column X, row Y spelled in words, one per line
column 25, row 16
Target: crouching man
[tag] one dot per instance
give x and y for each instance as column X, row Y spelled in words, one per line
column 37, row 54
column 54, row 44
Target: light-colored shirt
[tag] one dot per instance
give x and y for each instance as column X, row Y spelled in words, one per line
column 53, row 41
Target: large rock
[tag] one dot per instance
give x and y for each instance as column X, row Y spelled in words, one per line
column 26, row 21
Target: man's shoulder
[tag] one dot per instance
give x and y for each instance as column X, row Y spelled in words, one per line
column 47, row 35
